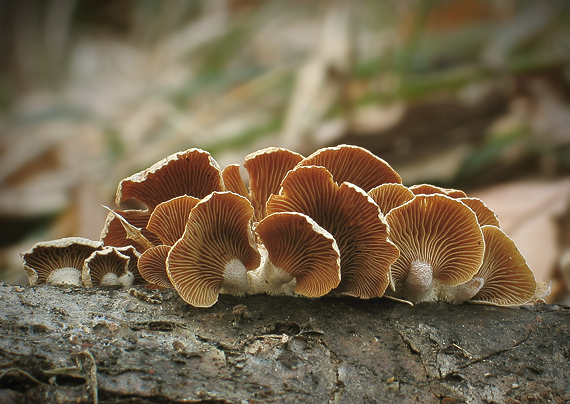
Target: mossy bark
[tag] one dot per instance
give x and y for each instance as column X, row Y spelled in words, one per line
column 114, row 345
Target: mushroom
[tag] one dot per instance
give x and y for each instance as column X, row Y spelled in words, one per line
column 351, row 217
column 300, row 253
column 233, row 181
column 192, row 172
column 506, row 278
column 389, row 196
column 132, row 266
column 107, row 267
column 58, row 262
column 428, row 189
column 216, row 250
column 440, row 243
column 353, row 164
column 152, row 266
column 168, row 222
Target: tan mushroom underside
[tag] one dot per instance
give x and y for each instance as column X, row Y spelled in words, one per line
column 390, row 196
column 152, row 266
column 168, row 220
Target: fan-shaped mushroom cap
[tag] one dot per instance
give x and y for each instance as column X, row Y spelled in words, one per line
column 428, row 189
column 438, row 238
column 233, row 181
column 353, row 164
column 299, row 248
column 485, row 215
column 106, row 267
column 266, row 169
column 115, row 235
column 216, row 250
column 58, row 262
column 192, row 172
column 152, row 266
column 351, row 217
column 508, row 281
column 168, row 219
column 390, row 196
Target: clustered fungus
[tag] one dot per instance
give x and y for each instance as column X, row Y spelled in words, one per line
column 337, row 222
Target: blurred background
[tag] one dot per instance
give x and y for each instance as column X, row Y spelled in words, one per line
column 469, row 94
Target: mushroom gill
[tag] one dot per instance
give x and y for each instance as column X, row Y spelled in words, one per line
column 107, row 267
column 389, row 196
column 352, row 218
column 300, row 253
column 440, row 243
column 353, row 164
column 216, row 250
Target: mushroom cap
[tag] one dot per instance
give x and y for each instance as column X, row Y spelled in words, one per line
column 485, row 216
column 192, row 172
column 115, row 235
column 104, row 267
column 390, row 196
column 508, row 280
column 353, row 164
column 168, row 219
column 351, row 217
column 428, row 189
column 65, row 255
column 152, row 266
column 297, row 245
column 439, row 232
column 233, row 180
column 266, row 169
column 217, row 248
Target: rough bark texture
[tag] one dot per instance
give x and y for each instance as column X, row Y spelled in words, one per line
column 138, row 346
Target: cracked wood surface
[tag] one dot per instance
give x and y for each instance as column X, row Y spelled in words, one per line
column 109, row 345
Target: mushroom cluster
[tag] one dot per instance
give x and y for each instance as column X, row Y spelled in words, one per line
column 336, row 222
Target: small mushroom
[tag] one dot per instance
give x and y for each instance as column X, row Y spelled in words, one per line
column 507, row 278
column 216, row 250
column 233, row 180
column 132, row 266
column 440, row 243
column 390, row 196
column 300, row 253
column 192, row 172
column 152, row 266
column 107, row 267
column 353, row 164
column 428, row 189
column 58, row 262
column 351, row 217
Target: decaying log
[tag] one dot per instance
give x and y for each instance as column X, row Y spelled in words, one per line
column 113, row 345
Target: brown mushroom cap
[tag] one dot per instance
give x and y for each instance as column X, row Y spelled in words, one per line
column 485, row 215
column 233, row 181
column 438, row 238
column 106, row 268
column 266, row 169
column 115, row 235
column 58, row 261
column 508, row 280
column 351, row 217
column 192, row 172
column 390, row 196
column 353, row 164
column 428, row 189
column 302, row 249
column 152, row 266
column 168, row 219
column 216, row 250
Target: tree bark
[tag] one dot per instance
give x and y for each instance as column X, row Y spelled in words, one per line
column 109, row 345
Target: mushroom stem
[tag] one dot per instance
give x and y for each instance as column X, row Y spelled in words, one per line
column 418, row 283
column 461, row 293
column 65, row 276
column 270, row 279
column 236, row 281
